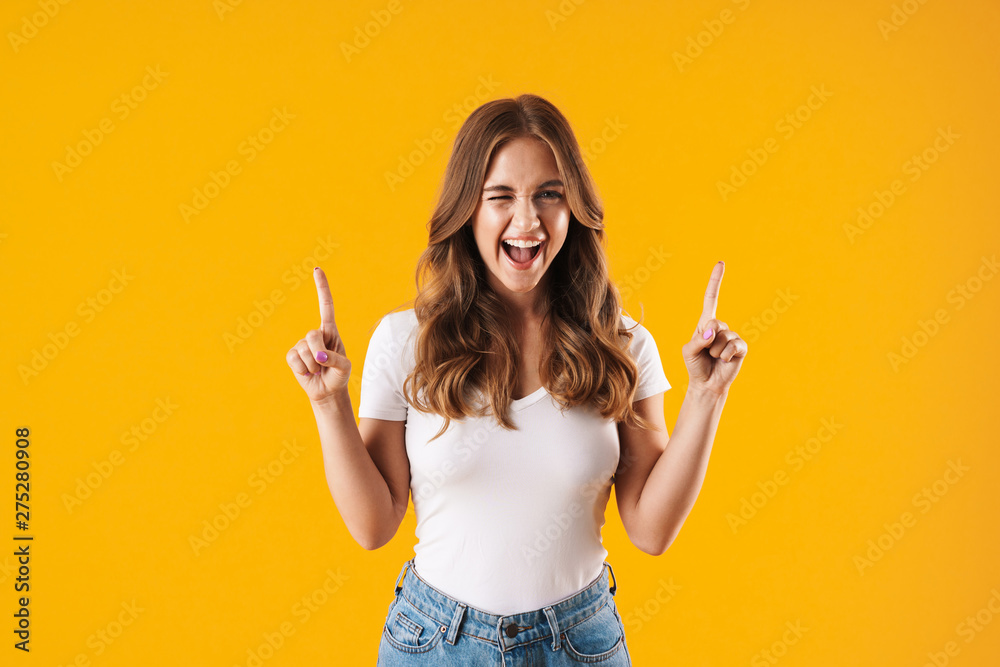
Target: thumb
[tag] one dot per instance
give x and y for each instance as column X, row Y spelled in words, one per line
column 327, row 358
column 702, row 338
column 337, row 363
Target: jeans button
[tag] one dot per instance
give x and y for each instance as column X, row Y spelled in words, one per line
column 512, row 630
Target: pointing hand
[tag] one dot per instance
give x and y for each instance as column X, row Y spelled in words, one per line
column 713, row 362
column 318, row 359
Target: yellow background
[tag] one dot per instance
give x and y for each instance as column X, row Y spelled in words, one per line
column 717, row 597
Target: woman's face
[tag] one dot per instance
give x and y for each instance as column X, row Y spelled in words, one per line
column 523, row 197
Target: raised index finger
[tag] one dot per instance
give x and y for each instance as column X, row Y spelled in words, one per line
column 712, row 292
column 326, row 323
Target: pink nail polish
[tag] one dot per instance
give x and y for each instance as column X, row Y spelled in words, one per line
column 322, row 356
column 708, row 334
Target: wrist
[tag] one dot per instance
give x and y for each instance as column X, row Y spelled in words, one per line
column 704, row 395
column 338, row 401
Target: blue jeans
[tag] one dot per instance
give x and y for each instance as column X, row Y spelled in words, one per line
column 426, row 627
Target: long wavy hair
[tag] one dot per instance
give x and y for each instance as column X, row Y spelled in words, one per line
column 465, row 343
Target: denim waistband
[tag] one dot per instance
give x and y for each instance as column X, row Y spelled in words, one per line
column 512, row 630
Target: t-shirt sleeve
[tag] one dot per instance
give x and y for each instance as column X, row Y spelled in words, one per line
column 382, row 376
column 652, row 379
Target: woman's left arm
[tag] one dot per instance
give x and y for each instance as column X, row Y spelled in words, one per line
column 659, row 476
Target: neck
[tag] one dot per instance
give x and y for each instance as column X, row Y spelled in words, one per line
column 526, row 307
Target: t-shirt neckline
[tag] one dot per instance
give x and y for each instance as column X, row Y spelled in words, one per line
column 525, row 401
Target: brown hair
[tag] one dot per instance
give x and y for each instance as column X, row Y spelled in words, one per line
column 464, row 341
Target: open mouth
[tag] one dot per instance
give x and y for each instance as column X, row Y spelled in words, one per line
column 521, row 257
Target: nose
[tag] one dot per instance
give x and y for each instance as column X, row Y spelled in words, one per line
column 525, row 217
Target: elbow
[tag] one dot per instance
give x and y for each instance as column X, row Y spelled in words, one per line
column 371, row 542
column 647, row 544
column 655, row 545
column 374, row 533
column 370, row 545
column 655, row 550
column 376, row 537
column 368, row 537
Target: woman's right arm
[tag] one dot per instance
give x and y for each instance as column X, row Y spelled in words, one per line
column 359, row 470
column 365, row 475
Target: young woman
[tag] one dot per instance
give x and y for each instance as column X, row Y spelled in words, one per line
column 508, row 400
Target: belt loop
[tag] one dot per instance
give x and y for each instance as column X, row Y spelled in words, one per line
column 554, row 624
column 402, row 573
column 614, row 586
column 456, row 623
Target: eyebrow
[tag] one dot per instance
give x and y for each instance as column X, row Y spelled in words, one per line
column 507, row 188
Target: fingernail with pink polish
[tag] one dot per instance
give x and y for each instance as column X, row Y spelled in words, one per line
column 322, row 356
column 708, row 334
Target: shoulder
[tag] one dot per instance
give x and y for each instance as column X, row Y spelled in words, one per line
column 394, row 333
column 626, row 320
column 643, row 349
column 400, row 320
column 640, row 335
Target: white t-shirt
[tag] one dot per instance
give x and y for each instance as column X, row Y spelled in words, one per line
column 507, row 521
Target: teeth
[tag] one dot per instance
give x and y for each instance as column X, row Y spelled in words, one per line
column 522, row 244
